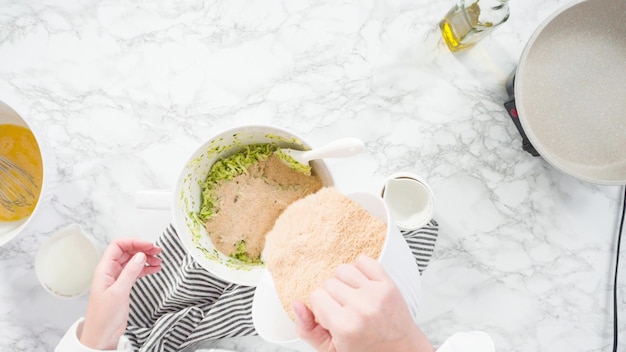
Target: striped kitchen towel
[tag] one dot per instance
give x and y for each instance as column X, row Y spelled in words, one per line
column 184, row 304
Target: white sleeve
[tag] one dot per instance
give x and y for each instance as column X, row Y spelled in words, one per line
column 474, row 341
column 70, row 342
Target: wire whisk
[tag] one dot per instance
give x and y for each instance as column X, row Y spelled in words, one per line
column 16, row 186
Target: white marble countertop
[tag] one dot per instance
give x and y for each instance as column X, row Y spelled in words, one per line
column 123, row 91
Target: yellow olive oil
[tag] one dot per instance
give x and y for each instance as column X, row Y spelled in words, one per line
column 471, row 20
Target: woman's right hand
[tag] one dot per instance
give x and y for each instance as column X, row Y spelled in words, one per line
column 359, row 309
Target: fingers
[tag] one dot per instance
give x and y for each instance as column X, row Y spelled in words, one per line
column 152, row 266
column 339, row 291
column 371, row 269
column 133, row 245
column 118, row 255
column 121, row 250
column 304, row 317
column 131, row 272
column 344, row 288
column 308, row 329
column 350, row 275
column 325, row 308
column 153, row 261
column 342, row 305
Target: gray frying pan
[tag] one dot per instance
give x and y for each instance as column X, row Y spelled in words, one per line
column 570, row 90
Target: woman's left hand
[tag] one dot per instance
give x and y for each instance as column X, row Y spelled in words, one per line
column 123, row 262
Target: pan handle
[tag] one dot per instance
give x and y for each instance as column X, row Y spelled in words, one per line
column 526, row 145
column 511, row 108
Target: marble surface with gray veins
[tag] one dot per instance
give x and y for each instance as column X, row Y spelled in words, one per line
column 122, row 92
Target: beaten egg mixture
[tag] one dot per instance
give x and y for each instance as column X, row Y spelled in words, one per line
column 18, row 145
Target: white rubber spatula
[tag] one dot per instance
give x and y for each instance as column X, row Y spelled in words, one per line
column 340, row 148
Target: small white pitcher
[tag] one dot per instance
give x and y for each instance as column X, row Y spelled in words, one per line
column 66, row 261
column 410, row 200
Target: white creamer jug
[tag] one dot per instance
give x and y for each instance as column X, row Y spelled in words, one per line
column 66, row 261
column 409, row 199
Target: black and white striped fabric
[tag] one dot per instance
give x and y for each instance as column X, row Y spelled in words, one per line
column 184, row 304
column 422, row 243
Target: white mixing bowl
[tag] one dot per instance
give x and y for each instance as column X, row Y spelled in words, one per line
column 187, row 196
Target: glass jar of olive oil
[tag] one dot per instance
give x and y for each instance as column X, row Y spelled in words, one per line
column 471, row 20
